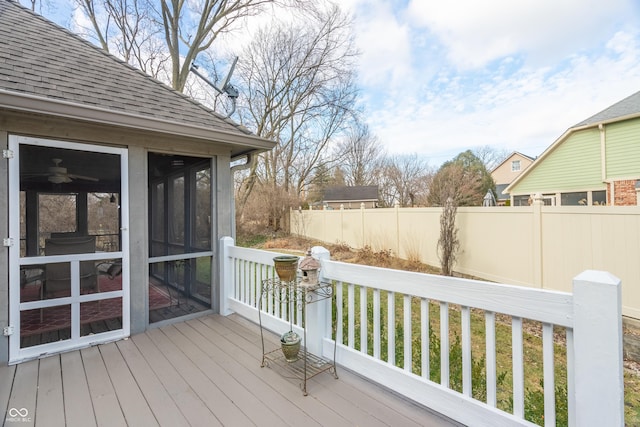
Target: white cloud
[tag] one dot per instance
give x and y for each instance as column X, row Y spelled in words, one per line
column 477, row 32
column 383, row 41
column 525, row 110
column 441, row 77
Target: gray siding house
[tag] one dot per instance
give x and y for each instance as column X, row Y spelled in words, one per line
column 351, row 197
column 114, row 190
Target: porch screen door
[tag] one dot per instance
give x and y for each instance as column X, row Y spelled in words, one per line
column 69, row 264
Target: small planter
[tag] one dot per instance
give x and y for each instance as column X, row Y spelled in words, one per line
column 290, row 342
column 286, row 267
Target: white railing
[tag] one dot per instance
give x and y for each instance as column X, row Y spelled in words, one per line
column 387, row 321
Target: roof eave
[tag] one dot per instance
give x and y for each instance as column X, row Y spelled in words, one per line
column 64, row 109
column 541, row 157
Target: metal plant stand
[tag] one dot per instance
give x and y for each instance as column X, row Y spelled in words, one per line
column 296, row 294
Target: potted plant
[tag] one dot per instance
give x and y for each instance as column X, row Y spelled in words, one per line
column 286, row 267
column 290, row 343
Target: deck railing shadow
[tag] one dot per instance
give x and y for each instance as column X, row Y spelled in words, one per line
column 384, row 322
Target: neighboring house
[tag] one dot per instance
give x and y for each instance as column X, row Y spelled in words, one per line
column 595, row 162
column 506, row 172
column 351, row 197
column 125, row 181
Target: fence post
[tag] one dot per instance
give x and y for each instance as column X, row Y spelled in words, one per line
column 226, row 275
column 318, row 314
column 397, row 214
column 342, row 223
column 362, row 228
column 538, row 202
column 597, row 332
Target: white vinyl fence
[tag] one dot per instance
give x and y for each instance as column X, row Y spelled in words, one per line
column 384, row 325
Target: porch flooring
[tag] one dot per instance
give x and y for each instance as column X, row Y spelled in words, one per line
column 200, row 372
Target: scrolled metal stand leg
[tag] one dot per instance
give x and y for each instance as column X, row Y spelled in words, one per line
column 263, row 363
column 304, row 328
column 335, row 345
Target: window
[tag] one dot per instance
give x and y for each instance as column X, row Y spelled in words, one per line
column 574, row 199
column 521, row 200
column 599, row 198
column 515, row 166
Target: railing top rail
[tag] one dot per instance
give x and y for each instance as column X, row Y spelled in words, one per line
column 535, row 304
column 255, row 255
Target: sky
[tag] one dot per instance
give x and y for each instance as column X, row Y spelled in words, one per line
column 439, row 77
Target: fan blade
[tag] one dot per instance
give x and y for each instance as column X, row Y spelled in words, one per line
column 86, row 178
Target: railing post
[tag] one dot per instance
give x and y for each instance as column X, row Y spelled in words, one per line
column 318, row 314
column 597, row 332
column 226, row 275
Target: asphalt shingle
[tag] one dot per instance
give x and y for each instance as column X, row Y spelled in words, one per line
column 39, row 58
column 626, row 107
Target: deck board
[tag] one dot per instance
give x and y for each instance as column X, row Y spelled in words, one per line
column 132, row 401
column 247, row 371
column 204, row 371
column 183, row 395
column 160, row 402
column 23, row 394
column 246, row 345
column 103, row 395
column 6, row 383
column 259, row 413
column 211, row 395
column 78, row 407
column 49, row 402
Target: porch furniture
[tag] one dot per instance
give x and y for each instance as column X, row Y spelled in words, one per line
column 58, row 275
column 296, row 294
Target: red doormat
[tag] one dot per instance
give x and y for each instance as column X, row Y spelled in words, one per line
column 54, row 318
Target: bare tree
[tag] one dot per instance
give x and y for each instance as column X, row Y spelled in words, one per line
column 299, row 82
column 360, row 156
column 185, row 39
column 152, row 33
column 129, row 30
column 404, row 179
column 490, row 156
column 448, row 185
column 448, row 243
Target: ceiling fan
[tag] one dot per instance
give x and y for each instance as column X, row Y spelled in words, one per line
column 58, row 174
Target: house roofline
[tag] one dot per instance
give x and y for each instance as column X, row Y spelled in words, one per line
column 347, row 200
column 510, row 156
column 563, row 137
column 34, row 104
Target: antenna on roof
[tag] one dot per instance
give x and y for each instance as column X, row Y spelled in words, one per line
column 227, row 87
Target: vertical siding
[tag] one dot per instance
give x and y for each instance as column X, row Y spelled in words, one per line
column 573, row 165
column 623, row 149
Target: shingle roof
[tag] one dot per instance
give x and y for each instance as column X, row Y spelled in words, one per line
column 343, row 194
column 42, row 60
column 627, row 107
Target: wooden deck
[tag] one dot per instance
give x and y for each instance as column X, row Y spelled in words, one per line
column 200, row 372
